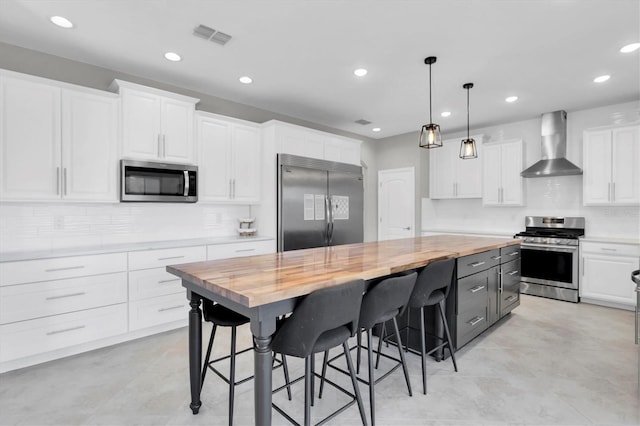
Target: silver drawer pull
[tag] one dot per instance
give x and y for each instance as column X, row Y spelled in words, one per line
column 477, row 264
column 608, row 249
column 68, row 268
column 169, row 281
column 171, row 308
column 511, row 298
column 170, row 257
column 496, row 257
column 515, row 253
column 65, row 330
column 476, row 288
column 513, row 273
column 62, row 296
column 251, row 249
column 475, row 321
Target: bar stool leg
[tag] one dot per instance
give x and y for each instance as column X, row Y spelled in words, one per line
column 401, row 352
column 325, row 361
column 232, row 374
column 372, row 382
column 354, row 380
column 359, row 339
column 423, row 351
column 285, row 369
column 313, row 377
column 446, row 331
column 383, row 328
column 206, row 359
column 307, row 390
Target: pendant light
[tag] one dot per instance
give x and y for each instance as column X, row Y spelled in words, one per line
column 468, row 146
column 430, row 133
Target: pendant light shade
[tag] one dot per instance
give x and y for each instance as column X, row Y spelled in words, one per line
column 430, row 134
column 468, row 148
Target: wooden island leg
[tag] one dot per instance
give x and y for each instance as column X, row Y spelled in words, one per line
column 195, row 350
column 262, row 328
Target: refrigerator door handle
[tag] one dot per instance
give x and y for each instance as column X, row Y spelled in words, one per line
column 327, row 220
column 330, row 234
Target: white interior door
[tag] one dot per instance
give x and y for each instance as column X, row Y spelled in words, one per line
column 396, row 203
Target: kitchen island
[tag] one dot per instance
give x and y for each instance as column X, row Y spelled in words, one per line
column 267, row 286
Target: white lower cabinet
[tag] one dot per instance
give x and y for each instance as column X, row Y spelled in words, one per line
column 158, row 310
column 606, row 273
column 243, row 249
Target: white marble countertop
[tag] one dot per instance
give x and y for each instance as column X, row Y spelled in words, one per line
column 589, row 239
column 118, row 248
column 474, row 232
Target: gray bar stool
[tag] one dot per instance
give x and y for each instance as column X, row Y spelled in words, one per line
column 382, row 302
column 320, row 321
column 221, row 316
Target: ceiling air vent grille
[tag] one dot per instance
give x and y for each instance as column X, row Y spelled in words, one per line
column 210, row 34
column 363, row 122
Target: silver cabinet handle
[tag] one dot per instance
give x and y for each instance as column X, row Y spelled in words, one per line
column 57, row 180
column 608, row 249
column 245, row 250
column 613, row 191
column 186, row 183
column 171, row 257
column 64, row 181
column 515, row 253
column 475, row 264
column 230, row 191
column 476, row 288
column 159, row 145
column 171, row 308
column 475, row 321
column 66, row 330
column 513, row 273
column 62, row 296
column 408, row 228
column 511, row 298
column 234, row 188
column 168, row 281
column 164, row 146
column 496, row 257
column 68, row 268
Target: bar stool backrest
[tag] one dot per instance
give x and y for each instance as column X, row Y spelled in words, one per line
column 433, row 277
column 320, row 312
column 386, row 299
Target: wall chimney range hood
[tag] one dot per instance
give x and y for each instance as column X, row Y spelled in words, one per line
column 554, row 149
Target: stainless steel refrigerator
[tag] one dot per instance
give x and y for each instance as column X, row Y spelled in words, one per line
column 320, row 203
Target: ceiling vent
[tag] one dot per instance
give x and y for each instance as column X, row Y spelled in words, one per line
column 210, row 34
column 363, row 121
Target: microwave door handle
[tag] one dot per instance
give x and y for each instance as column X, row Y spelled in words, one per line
column 186, row 183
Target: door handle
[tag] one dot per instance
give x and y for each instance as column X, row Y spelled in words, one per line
column 57, row 180
column 330, row 203
column 408, row 228
column 186, row 183
column 159, row 145
column 613, row 191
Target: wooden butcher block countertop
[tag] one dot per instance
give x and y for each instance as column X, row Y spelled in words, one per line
column 258, row 280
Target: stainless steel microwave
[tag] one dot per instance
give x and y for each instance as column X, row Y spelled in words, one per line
column 146, row 181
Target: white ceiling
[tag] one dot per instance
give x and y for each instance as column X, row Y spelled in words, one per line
column 301, row 54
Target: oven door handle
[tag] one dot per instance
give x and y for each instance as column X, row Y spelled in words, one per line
column 550, row 247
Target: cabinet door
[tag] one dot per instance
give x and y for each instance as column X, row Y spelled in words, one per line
column 246, row 158
column 89, row 146
column 214, row 171
column 491, row 175
column 469, row 176
column 625, row 167
column 442, row 174
column 511, row 166
column 607, row 278
column 141, row 138
column 177, row 131
column 29, row 140
column 597, row 167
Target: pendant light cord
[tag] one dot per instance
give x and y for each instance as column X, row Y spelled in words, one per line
column 430, row 116
column 468, row 112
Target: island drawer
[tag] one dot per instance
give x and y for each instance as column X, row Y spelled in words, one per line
column 153, row 282
column 147, row 259
column 470, row 324
column 35, row 300
column 472, row 292
column 29, row 271
column 509, row 253
column 474, row 263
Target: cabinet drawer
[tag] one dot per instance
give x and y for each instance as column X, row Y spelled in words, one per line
column 153, row 282
column 511, row 273
column 162, row 257
column 250, row 248
column 29, row 301
column 27, row 338
column 471, row 264
column 62, row 267
column 510, row 297
column 610, row 249
column 472, row 292
column 158, row 310
column 510, row 253
column 470, row 324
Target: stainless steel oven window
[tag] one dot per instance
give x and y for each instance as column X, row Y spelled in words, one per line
column 550, row 265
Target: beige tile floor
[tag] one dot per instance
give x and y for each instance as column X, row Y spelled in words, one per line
column 547, row 363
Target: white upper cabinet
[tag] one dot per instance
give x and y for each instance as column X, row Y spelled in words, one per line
column 452, row 177
column 501, row 180
column 611, row 172
column 156, row 125
column 229, row 153
column 58, row 143
column 297, row 140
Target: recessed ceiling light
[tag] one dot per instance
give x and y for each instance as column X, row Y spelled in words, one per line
column 61, row 21
column 360, row 72
column 511, row 99
column 630, row 48
column 376, row 129
column 445, row 113
column 245, row 80
column 601, row 79
column 172, row 56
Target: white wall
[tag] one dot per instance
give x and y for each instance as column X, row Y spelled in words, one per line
column 558, row 196
column 53, row 226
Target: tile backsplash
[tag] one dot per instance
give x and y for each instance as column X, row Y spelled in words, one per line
column 33, row 226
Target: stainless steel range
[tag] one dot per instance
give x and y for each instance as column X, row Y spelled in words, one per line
column 549, row 256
